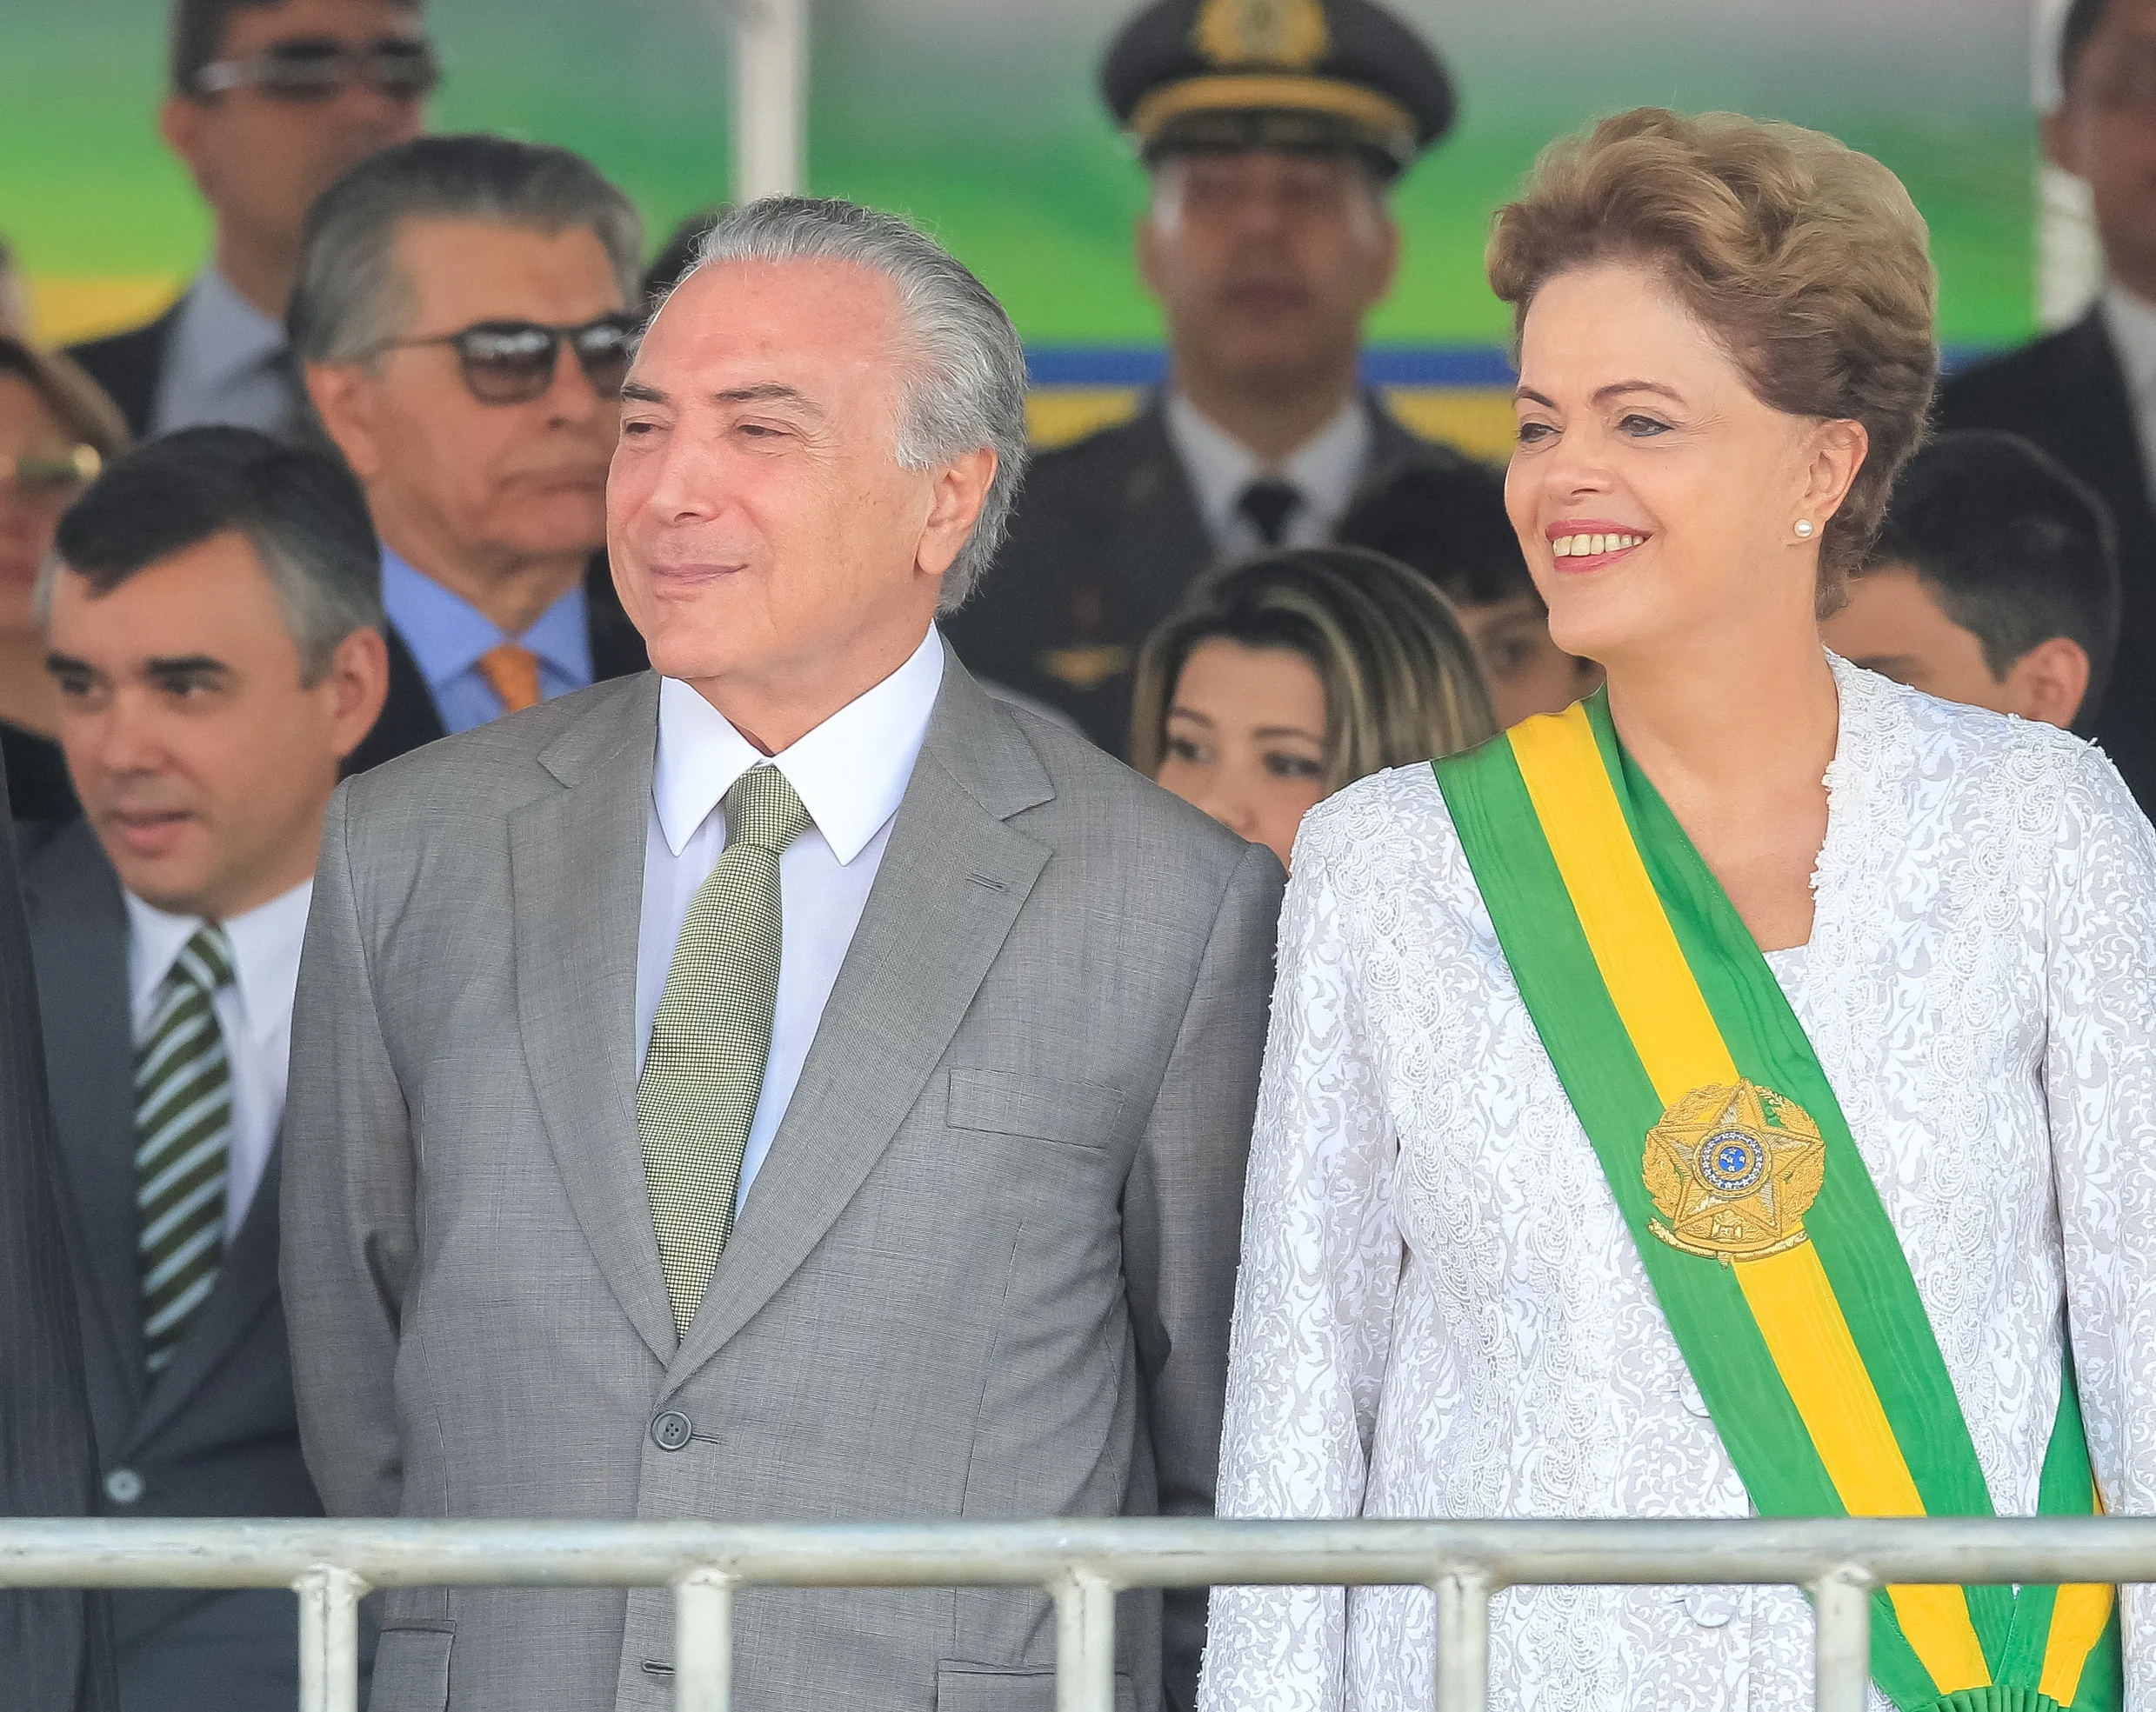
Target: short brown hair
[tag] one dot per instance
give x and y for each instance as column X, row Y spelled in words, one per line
column 1399, row 675
column 1806, row 258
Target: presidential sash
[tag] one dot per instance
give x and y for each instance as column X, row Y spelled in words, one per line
column 1758, row 1225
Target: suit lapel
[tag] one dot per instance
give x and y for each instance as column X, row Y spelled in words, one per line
column 79, row 936
column 952, row 881
column 247, row 1285
column 1160, row 543
column 2099, row 429
column 577, row 873
column 616, row 649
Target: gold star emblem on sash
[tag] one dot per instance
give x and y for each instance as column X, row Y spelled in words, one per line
column 1732, row 1170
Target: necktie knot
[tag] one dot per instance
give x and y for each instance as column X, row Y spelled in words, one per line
column 762, row 810
column 1269, row 502
column 205, row 962
column 512, row 672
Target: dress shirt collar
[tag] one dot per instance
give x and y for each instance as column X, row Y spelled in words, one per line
column 2131, row 320
column 1324, row 469
column 220, row 335
column 447, row 634
column 850, row 772
column 265, row 953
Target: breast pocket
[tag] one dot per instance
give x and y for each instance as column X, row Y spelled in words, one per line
column 1046, row 1108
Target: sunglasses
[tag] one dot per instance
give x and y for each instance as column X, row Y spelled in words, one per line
column 53, row 477
column 513, row 361
column 402, row 68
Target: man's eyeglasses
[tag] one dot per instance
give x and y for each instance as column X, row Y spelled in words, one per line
column 53, row 478
column 512, row 362
column 402, row 68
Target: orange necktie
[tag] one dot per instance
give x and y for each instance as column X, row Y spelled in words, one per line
column 514, row 674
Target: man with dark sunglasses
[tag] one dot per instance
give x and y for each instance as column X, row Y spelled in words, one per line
column 462, row 317
column 270, row 101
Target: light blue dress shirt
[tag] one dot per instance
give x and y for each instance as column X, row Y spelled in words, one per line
column 447, row 634
column 224, row 364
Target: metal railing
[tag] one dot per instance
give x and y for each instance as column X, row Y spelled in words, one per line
column 1082, row 1564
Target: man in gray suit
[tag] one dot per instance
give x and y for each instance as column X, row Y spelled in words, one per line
column 213, row 620
column 791, row 1087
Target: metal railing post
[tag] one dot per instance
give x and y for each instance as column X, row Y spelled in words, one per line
column 1086, row 1643
column 1842, row 1603
column 329, row 1639
column 704, row 1642
column 1463, row 1641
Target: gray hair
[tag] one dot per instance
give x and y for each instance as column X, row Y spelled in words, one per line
column 349, row 301
column 967, row 388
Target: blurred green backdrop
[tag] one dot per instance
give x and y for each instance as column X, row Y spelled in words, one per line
column 978, row 117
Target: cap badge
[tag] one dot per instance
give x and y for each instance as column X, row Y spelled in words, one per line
column 1287, row 33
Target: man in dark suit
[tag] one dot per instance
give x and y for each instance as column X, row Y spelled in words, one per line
column 1271, row 129
column 213, row 624
column 473, row 385
column 2087, row 395
column 55, row 1653
column 271, row 100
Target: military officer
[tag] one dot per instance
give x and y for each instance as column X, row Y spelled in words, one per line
column 1271, row 130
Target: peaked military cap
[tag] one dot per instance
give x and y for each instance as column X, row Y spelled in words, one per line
column 1204, row 74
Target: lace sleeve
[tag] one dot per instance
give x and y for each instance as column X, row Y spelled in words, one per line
column 1321, row 1261
column 2099, row 1076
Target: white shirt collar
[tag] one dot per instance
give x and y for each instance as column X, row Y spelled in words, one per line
column 1324, row 468
column 265, row 952
column 850, row 772
column 2131, row 322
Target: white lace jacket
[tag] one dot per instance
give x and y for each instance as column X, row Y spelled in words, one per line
column 1440, row 1312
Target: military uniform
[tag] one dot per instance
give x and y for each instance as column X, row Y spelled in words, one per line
column 1106, row 541
column 1108, row 533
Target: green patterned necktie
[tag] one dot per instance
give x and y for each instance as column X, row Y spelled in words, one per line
column 704, row 1071
column 182, row 1143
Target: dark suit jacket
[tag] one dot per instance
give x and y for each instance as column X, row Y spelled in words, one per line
column 217, row 1432
column 2068, row 394
column 409, row 717
column 1105, row 543
column 129, row 366
column 55, row 1653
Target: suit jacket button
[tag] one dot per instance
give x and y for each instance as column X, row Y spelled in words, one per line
column 671, row 1430
column 123, row 1486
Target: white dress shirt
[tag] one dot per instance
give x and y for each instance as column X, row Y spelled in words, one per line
column 254, row 1014
column 850, row 773
column 1326, row 470
column 1441, row 1314
column 223, row 365
column 2131, row 322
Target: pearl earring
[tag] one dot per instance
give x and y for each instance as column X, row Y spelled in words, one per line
column 1804, row 529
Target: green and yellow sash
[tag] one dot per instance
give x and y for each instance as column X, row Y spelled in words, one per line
column 1759, row 1225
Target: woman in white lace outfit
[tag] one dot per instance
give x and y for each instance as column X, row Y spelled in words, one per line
column 1725, row 339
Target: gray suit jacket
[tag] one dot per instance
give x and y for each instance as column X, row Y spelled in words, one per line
column 985, row 1271
column 217, row 1432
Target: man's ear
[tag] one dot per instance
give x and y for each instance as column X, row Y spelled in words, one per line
column 359, row 679
column 344, row 396
column 955, row 501
column 180, row 125
column 2050, row 681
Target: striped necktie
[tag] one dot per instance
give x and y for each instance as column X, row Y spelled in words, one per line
column 704, row 1071
column 182, row 1143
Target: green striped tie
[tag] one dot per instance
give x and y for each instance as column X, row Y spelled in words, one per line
column 182, row 1143
column 704, row 1070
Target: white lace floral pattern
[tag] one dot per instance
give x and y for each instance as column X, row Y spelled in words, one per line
column 1440, row 1313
